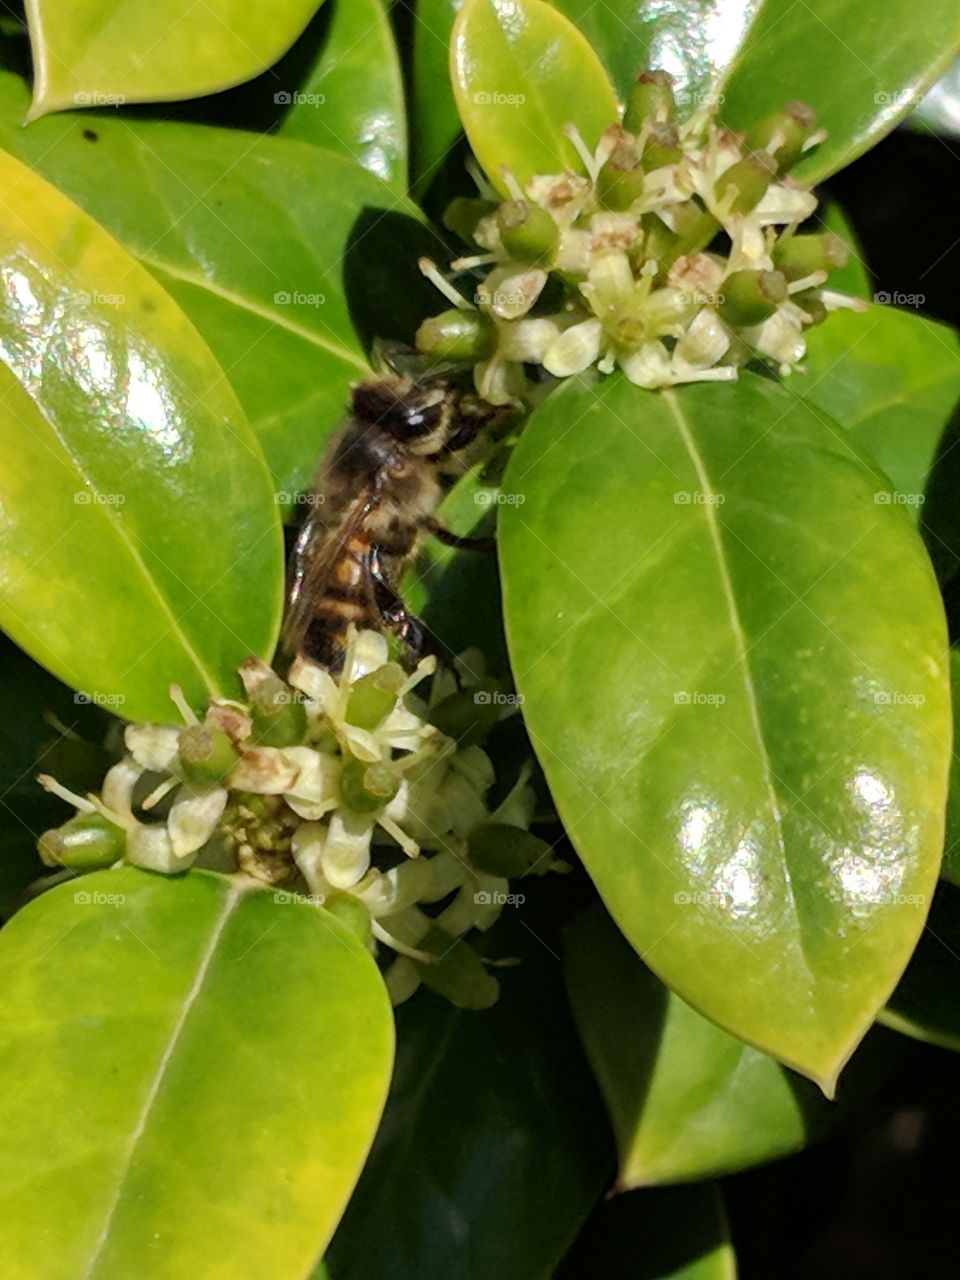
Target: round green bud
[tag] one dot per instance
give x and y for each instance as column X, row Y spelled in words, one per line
column 527, row 232
column 809, row 302
column 457, row 334
column 694, row 228
column 661, row 148
column 207, row 754
column 750, row 177
column 278, row 714
column 374, row 695
column 783, row 134
column 83, row 843
column 621, row 180
column 367, row 787
column 750, row 297
column 658, row 243
column 801, row 256
column 651, row 98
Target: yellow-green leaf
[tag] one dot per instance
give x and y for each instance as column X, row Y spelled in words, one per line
column 93, row 55
column 139, row 537
column 191, row 1073
column 521, row 73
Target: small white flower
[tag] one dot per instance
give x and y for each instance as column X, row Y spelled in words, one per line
column 648, row 366
column 267, row 771
column 705, row 343
column 782, row 204
column 613, row 231
column 527, row 341
column 576, row 349
column 193, row 818
column 509, row 292
column 117, row 790
column 345, row 853
column 151, row 848
column 315, row 791
column 780, row 338
column 153, row 746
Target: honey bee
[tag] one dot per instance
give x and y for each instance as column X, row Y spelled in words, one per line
column 375, row 495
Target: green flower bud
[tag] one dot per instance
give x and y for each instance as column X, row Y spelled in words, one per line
column 750, row 177
column 498, row 849
column 462, row 215
column 278, row 714
column 620, row 182
column 207, row 754
column 750, row 297
column 783, row 134
column 661, row 148
column 809, row 302
column 458, row 973
column 651, row 98
column 351, row 913
column 527, row 232
column 374, row 696
column 83, row 843
column 367, row 787
column 457, row 334
column 658, row 243
column 694, row 229
column 800, row 256
column 469, row 715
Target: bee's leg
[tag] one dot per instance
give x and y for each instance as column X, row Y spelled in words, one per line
column 460, row 541
column 392, row 610
column 414, row 634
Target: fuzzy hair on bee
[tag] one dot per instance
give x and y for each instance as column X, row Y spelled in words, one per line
column 376, row 493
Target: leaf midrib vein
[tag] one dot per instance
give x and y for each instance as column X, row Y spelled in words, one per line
column 203, row 969
column 253, row 308
column 740, row 639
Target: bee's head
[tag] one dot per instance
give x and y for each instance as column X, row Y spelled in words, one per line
column 417, row 415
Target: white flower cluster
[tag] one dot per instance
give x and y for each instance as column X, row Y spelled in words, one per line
column 333, row 787
column 665, row 259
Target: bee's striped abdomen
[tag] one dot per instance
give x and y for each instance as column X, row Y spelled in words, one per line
column 347, row 598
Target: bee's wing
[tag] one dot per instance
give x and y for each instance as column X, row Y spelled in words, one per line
column 317, row 549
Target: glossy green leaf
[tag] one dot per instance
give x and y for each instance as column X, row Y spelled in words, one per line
column 287, row 291
column 139, row 539
column 951, row 843
column 861, row 65
column 192, row 1073
column 926, row 1004
column 662, row 1233
column 686, row 1099
column 352, row 101
column 433, row 112
column 521, row 73
column 939, row 111
column 892, row 378
column 493, row 1146
column 733, row 663
column 143, row 52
